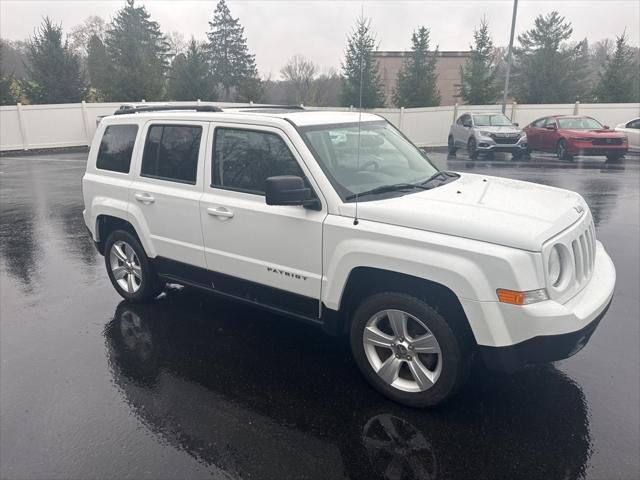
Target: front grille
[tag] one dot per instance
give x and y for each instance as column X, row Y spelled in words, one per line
column 607, row 141
column 505, row 140
column 584, row 254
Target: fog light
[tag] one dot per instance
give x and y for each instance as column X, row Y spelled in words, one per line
column 522, row 298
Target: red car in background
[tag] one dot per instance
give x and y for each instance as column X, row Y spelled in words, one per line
column 569, row 135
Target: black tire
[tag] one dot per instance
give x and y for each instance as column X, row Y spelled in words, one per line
column 148, row 284
column 451, row 146
column 471, row 148
column 455, row 358
column 561, row 150
column 517, row 156
column 615, row 157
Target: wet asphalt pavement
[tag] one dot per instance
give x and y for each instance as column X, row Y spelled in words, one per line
column 195, row 387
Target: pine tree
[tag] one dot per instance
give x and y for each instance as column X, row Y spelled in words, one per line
column 189, row 78
column 618, row 82
column 53, row 72
column 358, row 64
column 478, row 84
column 546, row 68
column 137, row 52
column 232, row 66
column 8, row 95
column 97, row 64
column 417, row 84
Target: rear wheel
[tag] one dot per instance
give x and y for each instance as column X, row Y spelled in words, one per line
column 562, row 151
column 129, row 269
column 451, row 146
column 406, row 350
column 472, row 149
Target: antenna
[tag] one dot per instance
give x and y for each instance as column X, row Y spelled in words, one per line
column 355, row 218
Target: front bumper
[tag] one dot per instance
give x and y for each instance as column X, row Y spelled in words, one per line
column 546, row 348
column 588, row 149
column 510, row 336
column 488, row 144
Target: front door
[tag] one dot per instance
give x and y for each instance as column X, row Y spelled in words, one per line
column 271, row 255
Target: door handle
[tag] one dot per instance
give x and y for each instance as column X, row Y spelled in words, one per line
column 219, row 212
column 144, row 197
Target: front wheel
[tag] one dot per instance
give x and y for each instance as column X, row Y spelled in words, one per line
column 129, row 268
column 614, row 157
column 406, row 350
column 472, row 149
column 562, row 151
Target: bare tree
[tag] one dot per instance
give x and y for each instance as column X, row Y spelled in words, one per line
column 82, row 33
column 177, row 43
column 299, row 73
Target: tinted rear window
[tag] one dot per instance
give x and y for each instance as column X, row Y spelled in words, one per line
column 116, row 148
column 171, row 153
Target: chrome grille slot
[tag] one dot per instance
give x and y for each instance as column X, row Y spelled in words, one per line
column 584, row 254
column 577, row 255
column 579, row 243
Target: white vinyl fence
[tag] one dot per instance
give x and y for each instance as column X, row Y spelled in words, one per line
column 25, row 127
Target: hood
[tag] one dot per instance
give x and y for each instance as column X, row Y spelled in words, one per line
column 490, row 209
column 597, row 133
column 500, row 129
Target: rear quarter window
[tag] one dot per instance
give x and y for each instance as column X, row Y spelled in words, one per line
column 116, row 148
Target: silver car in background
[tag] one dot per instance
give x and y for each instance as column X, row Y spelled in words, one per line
column 486, row 133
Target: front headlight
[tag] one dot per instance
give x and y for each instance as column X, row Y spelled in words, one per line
column 484, row 133
column 554, row 267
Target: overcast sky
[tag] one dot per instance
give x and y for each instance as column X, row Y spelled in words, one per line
column 318, row 29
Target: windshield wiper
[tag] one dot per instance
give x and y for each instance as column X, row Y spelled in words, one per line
column 388, row 188
column 443, row 175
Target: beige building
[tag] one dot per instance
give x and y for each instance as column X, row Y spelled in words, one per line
column 447, row 67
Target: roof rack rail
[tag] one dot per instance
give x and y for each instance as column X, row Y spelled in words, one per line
column 261, row 107
column 125, row 109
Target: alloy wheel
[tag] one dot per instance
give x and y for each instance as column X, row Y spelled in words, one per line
column 402, row 350
column 125, row 266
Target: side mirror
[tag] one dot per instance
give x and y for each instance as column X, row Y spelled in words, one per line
column 606, row 127
column 288, row 190
column 551, row 126
column 516, row 124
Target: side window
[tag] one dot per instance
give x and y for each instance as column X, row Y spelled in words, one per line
column 116, row 148
column 549, row 121
column 459, row 122
column 171, row 153
column 634, row 124
column 539, row 123
column 244, row 159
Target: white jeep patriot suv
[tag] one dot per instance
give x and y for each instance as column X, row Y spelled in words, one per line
column 337, row 219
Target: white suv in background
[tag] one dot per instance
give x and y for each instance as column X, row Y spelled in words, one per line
column 348, row 226
column 486, row 133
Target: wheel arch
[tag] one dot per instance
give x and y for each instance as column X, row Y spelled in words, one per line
column 365, row 281
column 105, row 224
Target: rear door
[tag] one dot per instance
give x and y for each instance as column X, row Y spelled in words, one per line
column 167, row 187
column 269, row 254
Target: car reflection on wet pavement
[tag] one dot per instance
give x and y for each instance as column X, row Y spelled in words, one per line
column 191, row 386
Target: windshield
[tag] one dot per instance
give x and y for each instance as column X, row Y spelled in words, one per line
column 386, row 158
column 491, row 120
column 585, row 123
